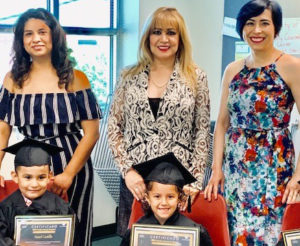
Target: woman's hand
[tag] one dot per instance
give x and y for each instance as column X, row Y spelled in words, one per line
column 61, row 183
column 217, row 178
column 188, row 191
column 291, row 191
column 135, row 183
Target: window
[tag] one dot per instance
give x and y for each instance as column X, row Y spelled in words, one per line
column 91, row 27
column 91, row 54
column 6, row 40
column 10, row 11
column 93, row 13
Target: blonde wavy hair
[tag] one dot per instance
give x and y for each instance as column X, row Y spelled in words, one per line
column 166, row 17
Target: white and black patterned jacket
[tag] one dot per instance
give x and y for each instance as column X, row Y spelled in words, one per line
column 182, row 124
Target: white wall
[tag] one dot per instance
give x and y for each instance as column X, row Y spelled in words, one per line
column 8, row 161
column 290, row 8
column 104, row 205
column 204, row 20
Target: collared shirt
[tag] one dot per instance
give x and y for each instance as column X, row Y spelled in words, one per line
column 28, row 202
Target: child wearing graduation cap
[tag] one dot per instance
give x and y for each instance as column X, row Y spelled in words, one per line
column 164, row 178
column 32, row 174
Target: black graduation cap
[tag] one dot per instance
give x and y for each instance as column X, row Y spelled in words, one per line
column 166, row 169
column 31, row 152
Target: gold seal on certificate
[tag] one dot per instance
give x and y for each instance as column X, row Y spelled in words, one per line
column 44, row 230
column 291, row 237
column 148, row 235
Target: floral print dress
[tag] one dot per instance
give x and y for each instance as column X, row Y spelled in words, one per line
column 259, row 155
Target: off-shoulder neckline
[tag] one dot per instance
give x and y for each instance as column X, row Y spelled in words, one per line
column 48, row 93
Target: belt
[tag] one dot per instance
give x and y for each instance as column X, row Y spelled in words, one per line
column 42, row 138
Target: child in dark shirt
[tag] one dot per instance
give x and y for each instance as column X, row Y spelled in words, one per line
column 32, row 174
column 164, row 178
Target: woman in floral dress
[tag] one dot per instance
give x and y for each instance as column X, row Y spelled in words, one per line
column 258, row 95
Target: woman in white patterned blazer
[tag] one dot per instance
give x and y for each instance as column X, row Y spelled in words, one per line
column 161, row 105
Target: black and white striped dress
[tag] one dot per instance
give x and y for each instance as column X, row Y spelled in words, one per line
column 55, row 118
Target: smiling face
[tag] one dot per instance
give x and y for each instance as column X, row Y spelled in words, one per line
column 32, row 180
column 164, row 42
column 163, row 200
column 259, row 31
column 37, row 38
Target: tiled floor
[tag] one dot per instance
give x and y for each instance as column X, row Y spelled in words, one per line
column 112, row 240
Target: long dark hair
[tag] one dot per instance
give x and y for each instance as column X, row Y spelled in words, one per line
column 59, row 54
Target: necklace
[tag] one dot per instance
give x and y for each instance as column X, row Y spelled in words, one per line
column 159, row 85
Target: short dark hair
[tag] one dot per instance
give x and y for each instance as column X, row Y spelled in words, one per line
column 59, row 55
column 256, row 7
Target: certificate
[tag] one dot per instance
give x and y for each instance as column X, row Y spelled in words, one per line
column 44, row 230
column 291, row 237
column 148, row 235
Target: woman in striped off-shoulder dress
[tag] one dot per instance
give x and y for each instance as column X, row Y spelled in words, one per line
column 46, row 99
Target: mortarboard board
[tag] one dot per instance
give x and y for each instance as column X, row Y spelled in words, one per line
column 166, row 169
column 31, row 152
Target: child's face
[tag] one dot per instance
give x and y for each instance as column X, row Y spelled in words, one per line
column 163, row 200
column 32, row 180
